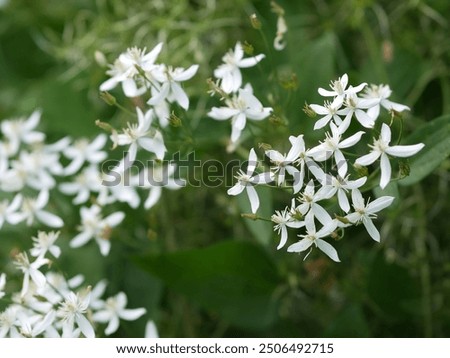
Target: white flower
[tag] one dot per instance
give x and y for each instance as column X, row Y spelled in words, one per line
column 247, row 181
column 314, row 237
column 283, row 163
column 8, row 211
column 30, row 270
column 150, row 330
column 139, row 135
column 170, row 87
column 22, row 131
column 89, row 180
column 354, row 106
column 240, row 107
column 33, row 209
column 364, row 213
column 309, row 202
column 339, row 88
column 341, row 185
column 229, row 72
column 283, row 220
column 97, row 292
column 114, row 310
column 33, row 328
column 122, row 189
column 84, row 151
column 329, row 111
column 2, row 285
column 381, row 148
column 8, row 322
column 45, row 242
column 333, row 145
column 382, row 93
column 93, row 226
column 125, row 70
column 72, row 311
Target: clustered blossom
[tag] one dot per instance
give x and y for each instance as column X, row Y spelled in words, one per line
column 51, row 306
column 241, row 103
column 332, row 176
column 32, row 170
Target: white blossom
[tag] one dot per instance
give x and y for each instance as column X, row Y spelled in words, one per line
column 33, row 209
column 87, row 182
column 150, row 330
column 9, row 211
column 283, row 220
column 365, row 212
column 329, row 111
column 314, row 237
column 45, row 242
column 94, row 226
column 239, row 108
column 72, row 311
column 381, row 93
column 247, row 181
column 83, row 151
column 309, row 202
column 229, row 72
column 114, row 310
column 339, row 88
column 381, row 148
column 30, row 270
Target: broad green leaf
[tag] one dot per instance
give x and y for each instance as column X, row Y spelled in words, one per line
column 261, row 230
column 436, row 137
column 235, row 279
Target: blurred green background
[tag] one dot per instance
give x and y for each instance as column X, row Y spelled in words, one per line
column 198, row 267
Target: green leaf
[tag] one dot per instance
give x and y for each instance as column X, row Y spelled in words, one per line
column 235, row 279
column 436, row 137
column 261, row 230
column 350, row 322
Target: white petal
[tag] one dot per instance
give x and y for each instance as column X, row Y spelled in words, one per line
column 368, row 158
column 403, row 151
column 365, row 119
column 38, row 278
column 222, row 113
column 379, row 204
column 132, row 314
column 81, row 239
column 385, row 133
column 385, row 167
column 109, row 84
column 114, row 219
column 160, row 96
column 357, row 198
column 150, row 330
column 321, row 214
column 113, row 325
column 236, row 189
column 180, row 95
column 343, row 201
column 186, row 74
column 49, row 219
column 284, row 237
column 85, row 326
column 104, row 245
column 352, row 140
column 153, row 197
column 253, row 197
column 300, row 246
column 240, row 121
column 341, row 163
column 371, row 229
column 329, row 250
column 251, row 61
column 252, row 162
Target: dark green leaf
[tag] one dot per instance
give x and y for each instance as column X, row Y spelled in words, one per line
column 235, row 279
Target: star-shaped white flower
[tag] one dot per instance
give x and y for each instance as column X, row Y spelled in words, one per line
column 339, row 88
column 45, row 242
column 170, row 87
column 125, row 70
column 364, row 213
column 72, row 311
column 381, row 148
column 114, row 310
column 140, row 135
column 309, row 202
column 94, row 226
column 247, row 181
column 8, row 211
column 239, row 108
column 283, row 220
column 33, row 209
column 284, row 163
column 356, row 106
column 328, row 111
column 229, row 72
column 30, row 270
column 382, row 93
column 85, row 151
column 332, row 145
column 314, row 237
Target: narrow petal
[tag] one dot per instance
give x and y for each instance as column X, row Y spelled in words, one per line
column 341, row 163
column 113, row 325
column 132, row 314
column 222, row 113
column 321, row 214
column 300, row 246
column 379, row 204
column 236, row 189
column 38, row 278
column 385, row 167
column 253, row 197
column 284, row 237
column 85, row 326
column 329, row 250
column 153, row 197
column 368, row 158
column 251, row 61
column 186, row 74
column 403, row 151
column 180, row 95
column 357, row 198
column 363, row 118
column 371, row 229
column 343, row 201
column 81, row 239
column 252, row 162
column 49, row 219
column 352, row 140
column 385, row 133
column 114, row 219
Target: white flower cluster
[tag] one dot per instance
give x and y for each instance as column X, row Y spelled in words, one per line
column 49, row 305
column 241, row 104
column 314, row 200
column 32, row 170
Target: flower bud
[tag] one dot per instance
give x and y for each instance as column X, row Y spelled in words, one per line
column 108, row 98
column 256, row 24
column 174, row 120
column 309, row 111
